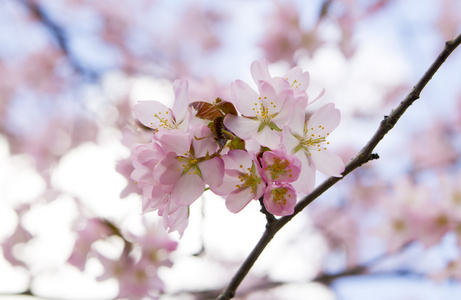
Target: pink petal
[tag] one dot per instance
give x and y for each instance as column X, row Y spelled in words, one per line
column 289, row 141
column 328, row 163
column 176, row 221
column 180, row 106
column 145, row 111
column 297, row 119
column 326, row 116
column 244, row 128
column 260, row 71
column 268, row 137
column 244, row 98
column 202, row 140
column 285, row 111
column 241, row 157
column 174, row 140
column 212, row 171
column 169, row 169
column 306, row 181
column 228, row 185
column 238, row 199
column 188, row 189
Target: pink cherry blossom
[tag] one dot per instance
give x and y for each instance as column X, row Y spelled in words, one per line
column 278, row 166
column 263, row 115
column 188, row 165
column 134, row 279
column 155, row 196
column 93, row 230
column 295, row 80
column 280, row 199
column 306, row 139
column 156, row 115
column 242, row 181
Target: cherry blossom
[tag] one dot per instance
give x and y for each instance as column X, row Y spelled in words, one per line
column 295, row 80
column 263, row 115
column 278, row 166
column 93, row 230
column 280, row 199
column 278, row 170
column 242, row 181
column 306, row 139
column 188, row 164
column 156, row 115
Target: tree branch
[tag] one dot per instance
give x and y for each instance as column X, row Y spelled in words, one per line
column 60, row 35
column 363, row 157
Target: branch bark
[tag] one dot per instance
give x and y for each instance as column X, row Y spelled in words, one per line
column 364, row 156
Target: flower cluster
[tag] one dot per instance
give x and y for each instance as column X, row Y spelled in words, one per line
column 259, row 144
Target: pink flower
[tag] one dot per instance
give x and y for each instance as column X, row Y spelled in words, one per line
column 174, row 170
column 156, row 115
column 242, row 181
column 188, row 165
column 175, row 217
column 306, row 139
column 155, row 196
column 94, row 230
column 280, row 199
column 278, row 166
column 134, row 279
column 263, row 115
column 295, row 80
column 278, row 169
column 145, row 158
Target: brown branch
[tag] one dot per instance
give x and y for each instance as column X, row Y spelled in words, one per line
column 363, row 157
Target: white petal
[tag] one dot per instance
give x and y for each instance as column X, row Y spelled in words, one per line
column 328, row 163
column 244, row 98
column 236, row 201
column 244, row 128
column 145, row 111
column 327, row 117
column 268, row 137
column 306, row 181
column 188, row 189
column 180, row 106
column 260, row 71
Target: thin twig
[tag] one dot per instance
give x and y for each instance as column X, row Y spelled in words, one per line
column 60, row 36
column 363, row 157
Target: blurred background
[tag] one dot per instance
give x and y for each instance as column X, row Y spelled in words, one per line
column 70, row 217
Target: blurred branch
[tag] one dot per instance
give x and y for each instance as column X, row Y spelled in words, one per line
column 31, row 295
column 363, row 157
column 327, row 279
column 59, row 34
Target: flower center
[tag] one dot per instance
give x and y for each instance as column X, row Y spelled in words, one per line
column 248, row 178
column 313, row 139
column 280, row 195
column 278, row 167
column 166, row 122
column 189, row 164
column 264, row 114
